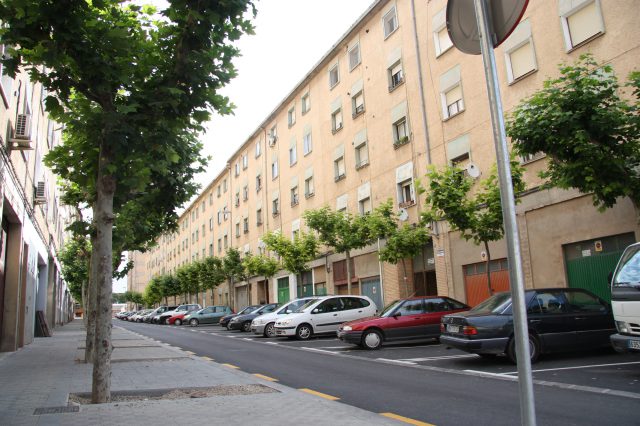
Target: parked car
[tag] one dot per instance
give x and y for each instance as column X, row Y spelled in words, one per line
column 224, row 321
column 324, row 315
column 243, row 322
column 559, row 319
column 180, row 309
column 140, row 316
column 134, row 317
column 265, row 323
column 121, row 315
column 208, row 315
column 414, row 318
column 149, row 317
column 155, row 318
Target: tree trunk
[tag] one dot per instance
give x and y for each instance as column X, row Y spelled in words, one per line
column 486, row 247
column 91, row 305
column 232, row 294
column 212, row 297
column 175, row 300
column 85, row 303
column 103, row 250
column 166, row 302
column 404, row 278
column 348, row 260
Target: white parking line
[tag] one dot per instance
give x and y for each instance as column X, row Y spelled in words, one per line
column 578, row 367
column 396, row 360
column 271, row 343
column 318, row 350
column 247, row 338
column 437, row 358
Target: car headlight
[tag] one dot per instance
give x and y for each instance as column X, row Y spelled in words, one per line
column 347, row 328
column 235, row 320
column 622, row 327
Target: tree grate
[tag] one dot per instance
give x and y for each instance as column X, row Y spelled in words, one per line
column 56, row 410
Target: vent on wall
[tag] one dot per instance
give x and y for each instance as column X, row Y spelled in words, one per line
column 22, row 133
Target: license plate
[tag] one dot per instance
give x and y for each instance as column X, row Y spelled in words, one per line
column 634, row 344
column 453, row 328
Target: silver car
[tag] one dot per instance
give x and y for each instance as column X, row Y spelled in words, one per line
column 264, row 324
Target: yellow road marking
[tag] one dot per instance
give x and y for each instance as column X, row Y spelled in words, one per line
column 206, row 358
column 320, row 394
column 231, row 366
column 406, row 419
column 262, row 376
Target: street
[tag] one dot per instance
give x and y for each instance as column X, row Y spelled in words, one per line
column 425, row 381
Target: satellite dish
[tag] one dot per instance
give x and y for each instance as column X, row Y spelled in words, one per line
column 462, row 25
column 403, row 214
column 473, row 170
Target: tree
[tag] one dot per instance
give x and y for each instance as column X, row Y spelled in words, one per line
column 153, row 292
column 170, row 287
column 74, row 258
column 341, row 231
column 135, row 298
column 187, row 276
column 260, row 265
column 295, row 254
column 590, row 135
column 477, row 216
column 233, row 270
column 211, row 274
column 403, row 241
column 133, row 92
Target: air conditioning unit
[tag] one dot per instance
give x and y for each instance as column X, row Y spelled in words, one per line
column 22, row 133
column 40, row 196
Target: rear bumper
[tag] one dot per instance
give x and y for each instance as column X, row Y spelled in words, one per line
column 496, row 345
column 624, row 343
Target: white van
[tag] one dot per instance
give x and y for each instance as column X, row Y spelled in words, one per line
column 625, row 301
column 264, row 324
column 324, row 316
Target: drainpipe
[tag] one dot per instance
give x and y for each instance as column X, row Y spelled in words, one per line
column 423, row 109
column 381, row 279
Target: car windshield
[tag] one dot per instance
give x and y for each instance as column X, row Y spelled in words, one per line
column 248, row 310
column 305, row 306
column 493, row 305
column 628, row 273
column 294, row 306
column 390, row 308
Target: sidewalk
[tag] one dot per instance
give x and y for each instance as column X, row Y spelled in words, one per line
column 40, row 377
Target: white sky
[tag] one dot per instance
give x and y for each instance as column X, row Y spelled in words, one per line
column 291, row 36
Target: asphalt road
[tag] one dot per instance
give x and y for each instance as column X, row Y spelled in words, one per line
column 413, row 382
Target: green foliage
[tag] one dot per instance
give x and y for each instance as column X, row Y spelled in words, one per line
column 169, row 284
column 118, row 298
column 478, row 216
column 153, row 292
column 75, row 257
column 134, row 297
column 261, row 265
column 295, row 255
column 590, row 135
column 339, row 230
column 188, row 277
column 232, row 265
column 211, row 273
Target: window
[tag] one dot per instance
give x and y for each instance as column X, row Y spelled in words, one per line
column 5, row 81
column 581, row 23
column 334, row 76
column 258, row 148
column 339, row 169
column 453, row 101
column 411, row 307
column 237, row 167
column 294, row 196
column 400, row 133
column 582, row 302
column 259, row 217
column 219, row 217
column 274, row 169
column 237, row 229
column 308, row 187
column 245, row 161
column 362, row 155
column 273, row 135
column 336, row 120
column 364, row 205
column 390, row 22
column 211, row 224
column 291, row 116
column 226, row 242
column 219, row 191
column 275, row 206
column 258, row 183
column 224, row 185
column 211, row 198
column 519, row 53
column 293, row 154
column 441, row 38
column 307, row 146
column 405, row 193
column 306, row 103
column 245, row 225
column 396, row 76
column 245, row 193
column 237, row 199
column 357, row 104
column 354, row 56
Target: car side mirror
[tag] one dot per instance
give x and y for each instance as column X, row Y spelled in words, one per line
column 397, row 314
column 315, row 311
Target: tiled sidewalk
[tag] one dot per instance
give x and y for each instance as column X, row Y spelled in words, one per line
column 44, row 373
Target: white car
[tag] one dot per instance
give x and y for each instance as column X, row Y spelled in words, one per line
column 324, row 315
column 264, row 324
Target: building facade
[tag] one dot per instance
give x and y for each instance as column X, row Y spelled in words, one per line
column 392, row 97
column 33, row 294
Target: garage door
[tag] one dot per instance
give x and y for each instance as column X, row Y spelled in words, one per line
column 283, row 290
column 475, row 280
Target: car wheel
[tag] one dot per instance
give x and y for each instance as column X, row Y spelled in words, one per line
column 227, row 326
column 269, row 330
column 372, row 339
column 534, row 349
column 177, row 322
column 246, row 326
column 304, row 332
column 193, row 322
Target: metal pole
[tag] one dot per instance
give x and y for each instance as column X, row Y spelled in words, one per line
column 527, row 403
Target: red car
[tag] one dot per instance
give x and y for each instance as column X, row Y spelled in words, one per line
column 178, row 318
column 414, row 318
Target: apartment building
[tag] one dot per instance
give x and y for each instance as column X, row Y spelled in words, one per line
column 390, row 98
column 32, row 290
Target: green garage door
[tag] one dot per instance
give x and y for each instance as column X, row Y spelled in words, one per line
column 283, row 290
column 589, row 262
